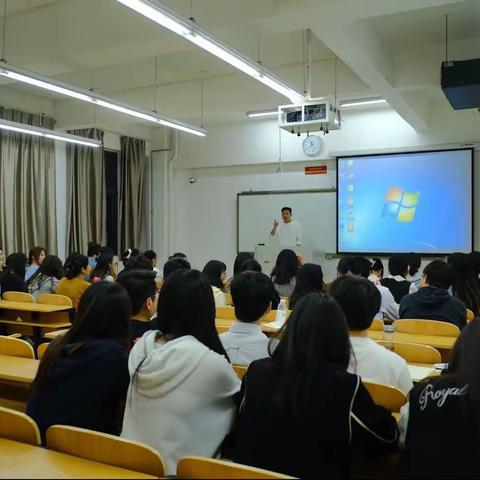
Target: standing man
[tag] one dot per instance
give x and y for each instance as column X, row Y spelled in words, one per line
column 287, row 233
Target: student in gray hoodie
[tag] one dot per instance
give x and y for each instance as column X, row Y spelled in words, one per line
column 432, row 301
column 180, row 398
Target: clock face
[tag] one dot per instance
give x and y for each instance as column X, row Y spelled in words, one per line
column 312, row 145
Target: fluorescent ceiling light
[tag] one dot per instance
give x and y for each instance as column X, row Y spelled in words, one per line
column 31, row 78
column 362, row 101
column 262, row 113
column 168, row 18
column 46, row 133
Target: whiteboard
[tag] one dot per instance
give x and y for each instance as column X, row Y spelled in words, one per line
column 314, row 209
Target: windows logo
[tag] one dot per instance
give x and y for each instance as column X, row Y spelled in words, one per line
column 400, row 205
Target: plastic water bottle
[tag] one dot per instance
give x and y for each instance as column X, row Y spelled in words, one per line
column 281, row 312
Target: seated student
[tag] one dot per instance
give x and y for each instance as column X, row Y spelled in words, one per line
column 83, row 376
column 138, row 262
column 465, row 286
column 177, row 255
column 284, row 274
column 414, row 263
column 361, row 266
column 432, row 301
column 446, row 407
column 252, row 296
column 251, row 265
column 174, row 264
column 239, row 260
column 309, row 279
column 13, row 275
column 376, row 271
column 180, row 399
column 302, row 413
column 142, row 289
column 103, row 270
column 216, row 272
column 93, row 251
column 396, row 282
column 35, row 258
column 73, row 285
column 152, row 256
column 360, row 301
column 46, row 278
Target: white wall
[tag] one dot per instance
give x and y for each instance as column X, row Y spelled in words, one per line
column 244, row 156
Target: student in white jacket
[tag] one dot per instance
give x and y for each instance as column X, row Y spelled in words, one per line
column 180, row 398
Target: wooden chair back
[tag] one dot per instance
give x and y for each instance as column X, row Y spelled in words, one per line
column 227, row 313
column 104, row 448
column 41, row 350
column 18, row 427
column 387, row 396
column 222, row 329
column 228, row 299
column 377, row 325
column 16, row 347
column 413, row 352
column 18, row 297
column 54, row 299
column 240, row 370
column 201, row 467
column 470, row 315
column 426, row 327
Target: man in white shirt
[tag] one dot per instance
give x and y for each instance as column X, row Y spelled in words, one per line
column 252, row 294
column 287, row 233
column 360, row 300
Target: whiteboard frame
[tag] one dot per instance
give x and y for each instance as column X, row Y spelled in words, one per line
column 274, row 192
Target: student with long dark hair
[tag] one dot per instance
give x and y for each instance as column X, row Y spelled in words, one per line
column 13, row 275
column 396, row 282
column 309, row 279
column 302, row 412
column 465, row 285
column 46, row 278
column 36, row 256
column 284, row 273
column 414, row 263
column 446, row 407
column 83, row 376
column 216, row 272
column 103, row 271
column 93, row 251
column 73, row 285
column 237, row 265
column 180, row 399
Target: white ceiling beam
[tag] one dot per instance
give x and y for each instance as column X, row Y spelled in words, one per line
column 362, row 50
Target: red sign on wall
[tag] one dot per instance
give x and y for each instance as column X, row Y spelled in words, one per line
column 318, row 170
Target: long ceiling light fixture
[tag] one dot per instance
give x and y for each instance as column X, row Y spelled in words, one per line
column 25, row 76
column 362, row 102
column 262, row 113
column 168, row 18
column 47, row 133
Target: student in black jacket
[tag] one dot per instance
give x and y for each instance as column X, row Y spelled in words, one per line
column 432, row 301
column 142, row 289
column 396, row 282
column 301, row 413
column 83, row 376
column 13, row 275
column 441, row 423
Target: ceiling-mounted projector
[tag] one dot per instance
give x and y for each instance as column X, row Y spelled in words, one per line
column 312, row 116
column 461, row 83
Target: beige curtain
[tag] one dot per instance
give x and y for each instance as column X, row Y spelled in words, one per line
column 27, row 183
column 86, row 217
column 133, row 161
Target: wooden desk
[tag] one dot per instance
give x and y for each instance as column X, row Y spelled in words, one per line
column 19, row 460
column 437, row 341
column 36, row 316
column 225, row 322
column 16, row 376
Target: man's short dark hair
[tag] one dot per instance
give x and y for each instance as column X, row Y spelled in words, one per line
column 398, row 264
column 361, row 266
column 345, row 265
column 150, row 254
column 140, row 262
column 252, row 293
column 177, row 255
column 359, row 298
column 140, row 285
column 287, row 208
column 176, row 263
column 439, row 274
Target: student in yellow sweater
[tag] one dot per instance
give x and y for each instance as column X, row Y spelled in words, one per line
column 74, row 284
